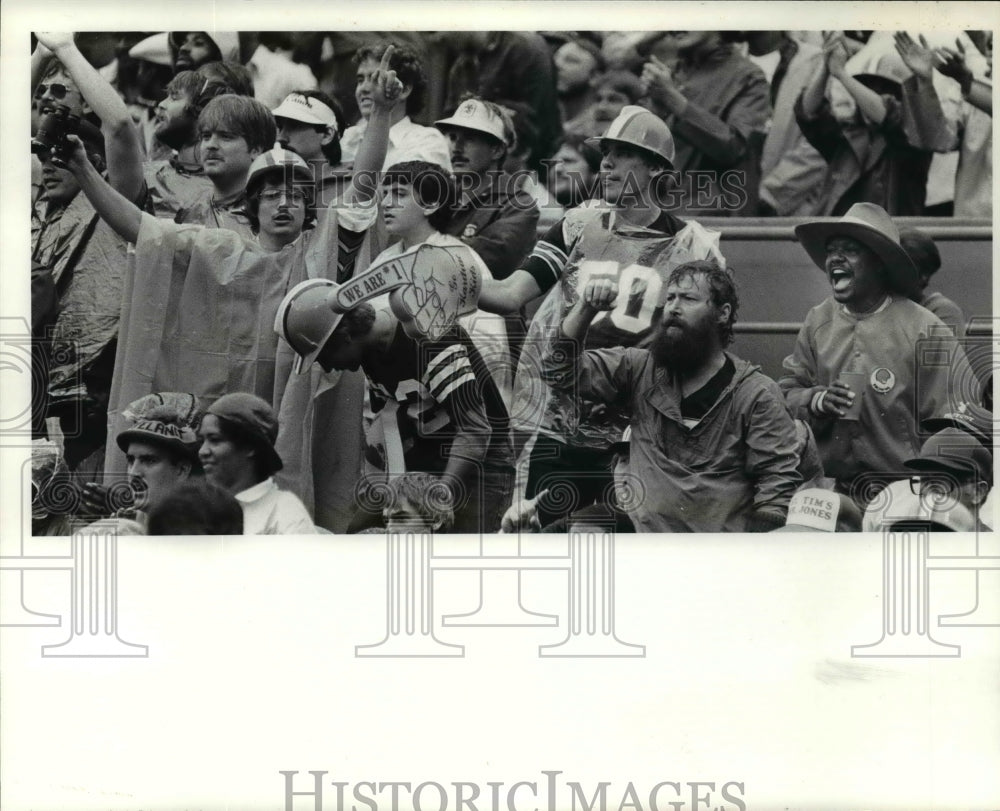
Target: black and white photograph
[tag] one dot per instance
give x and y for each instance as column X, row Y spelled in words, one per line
column 621, row 400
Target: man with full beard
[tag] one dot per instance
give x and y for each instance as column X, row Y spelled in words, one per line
column 712, row 441
column 629, row 237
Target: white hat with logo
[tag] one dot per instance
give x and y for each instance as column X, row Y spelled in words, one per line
column 472, row 114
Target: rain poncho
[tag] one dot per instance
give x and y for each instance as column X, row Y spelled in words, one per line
column 198, row 316
column 88, row 262
column 641, row 259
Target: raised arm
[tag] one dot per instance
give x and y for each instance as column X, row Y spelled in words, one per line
column 954, row 64
column 869, row 102
column 371, row 154
column 122, row 143
column 40, row 58
column 539, row 272
column 814, row 94
column 505, row 296
column 724, row 141
column 603, row 375
column 118, row 212
column 927, row 127
column 598, row 295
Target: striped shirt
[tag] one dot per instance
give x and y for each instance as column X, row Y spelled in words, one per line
column 551, row 253
column 448, row 402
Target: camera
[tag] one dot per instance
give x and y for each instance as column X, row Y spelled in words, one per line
column 53, row 128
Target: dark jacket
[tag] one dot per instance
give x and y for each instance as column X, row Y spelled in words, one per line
column 499, row 223
column 722, row 130
column 867, row 164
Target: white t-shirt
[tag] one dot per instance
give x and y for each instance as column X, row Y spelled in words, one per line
column 407, row 142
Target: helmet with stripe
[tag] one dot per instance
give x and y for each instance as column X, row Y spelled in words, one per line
column 306, row 319
column 638, row 127
column 278, row 161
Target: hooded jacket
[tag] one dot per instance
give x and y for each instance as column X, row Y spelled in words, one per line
column 738, row 461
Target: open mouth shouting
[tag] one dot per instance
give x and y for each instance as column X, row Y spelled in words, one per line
column 841, row 278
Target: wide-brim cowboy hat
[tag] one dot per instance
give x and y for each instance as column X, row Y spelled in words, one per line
column 870, row 225
column 884, row 73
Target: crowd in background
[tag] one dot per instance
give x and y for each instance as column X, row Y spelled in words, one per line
column 199, row 198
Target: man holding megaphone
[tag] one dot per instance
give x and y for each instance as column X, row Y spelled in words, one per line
column 439, row 409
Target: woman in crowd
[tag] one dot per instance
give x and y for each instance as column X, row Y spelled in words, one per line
column 237, row 453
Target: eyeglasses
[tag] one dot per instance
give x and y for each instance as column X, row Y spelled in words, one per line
column 292, row 195
column 939, row 491
column 57, row 90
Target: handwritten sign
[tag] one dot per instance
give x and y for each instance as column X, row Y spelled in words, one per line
column 431, row 287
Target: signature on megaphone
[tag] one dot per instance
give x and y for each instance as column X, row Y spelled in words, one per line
column 430, row 287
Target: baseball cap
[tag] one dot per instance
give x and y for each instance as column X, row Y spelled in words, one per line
column 954, row 450
column 299, row 107
column 970, row 417
column 472, row 114
column 816, row 510
column 255, row 416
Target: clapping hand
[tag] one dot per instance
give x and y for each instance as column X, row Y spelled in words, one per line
column 657, row 78
column 953, row 64
column 918, row 57
column 55, row 41
column 835, row 53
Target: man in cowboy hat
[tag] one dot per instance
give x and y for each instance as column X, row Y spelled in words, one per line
column 853, row 374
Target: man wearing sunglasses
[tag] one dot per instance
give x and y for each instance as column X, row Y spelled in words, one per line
column 188, row 186
column 85, row 261
column 202, row 301
column 53, row 85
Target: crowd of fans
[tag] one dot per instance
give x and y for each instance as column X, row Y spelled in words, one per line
column 296, row 282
